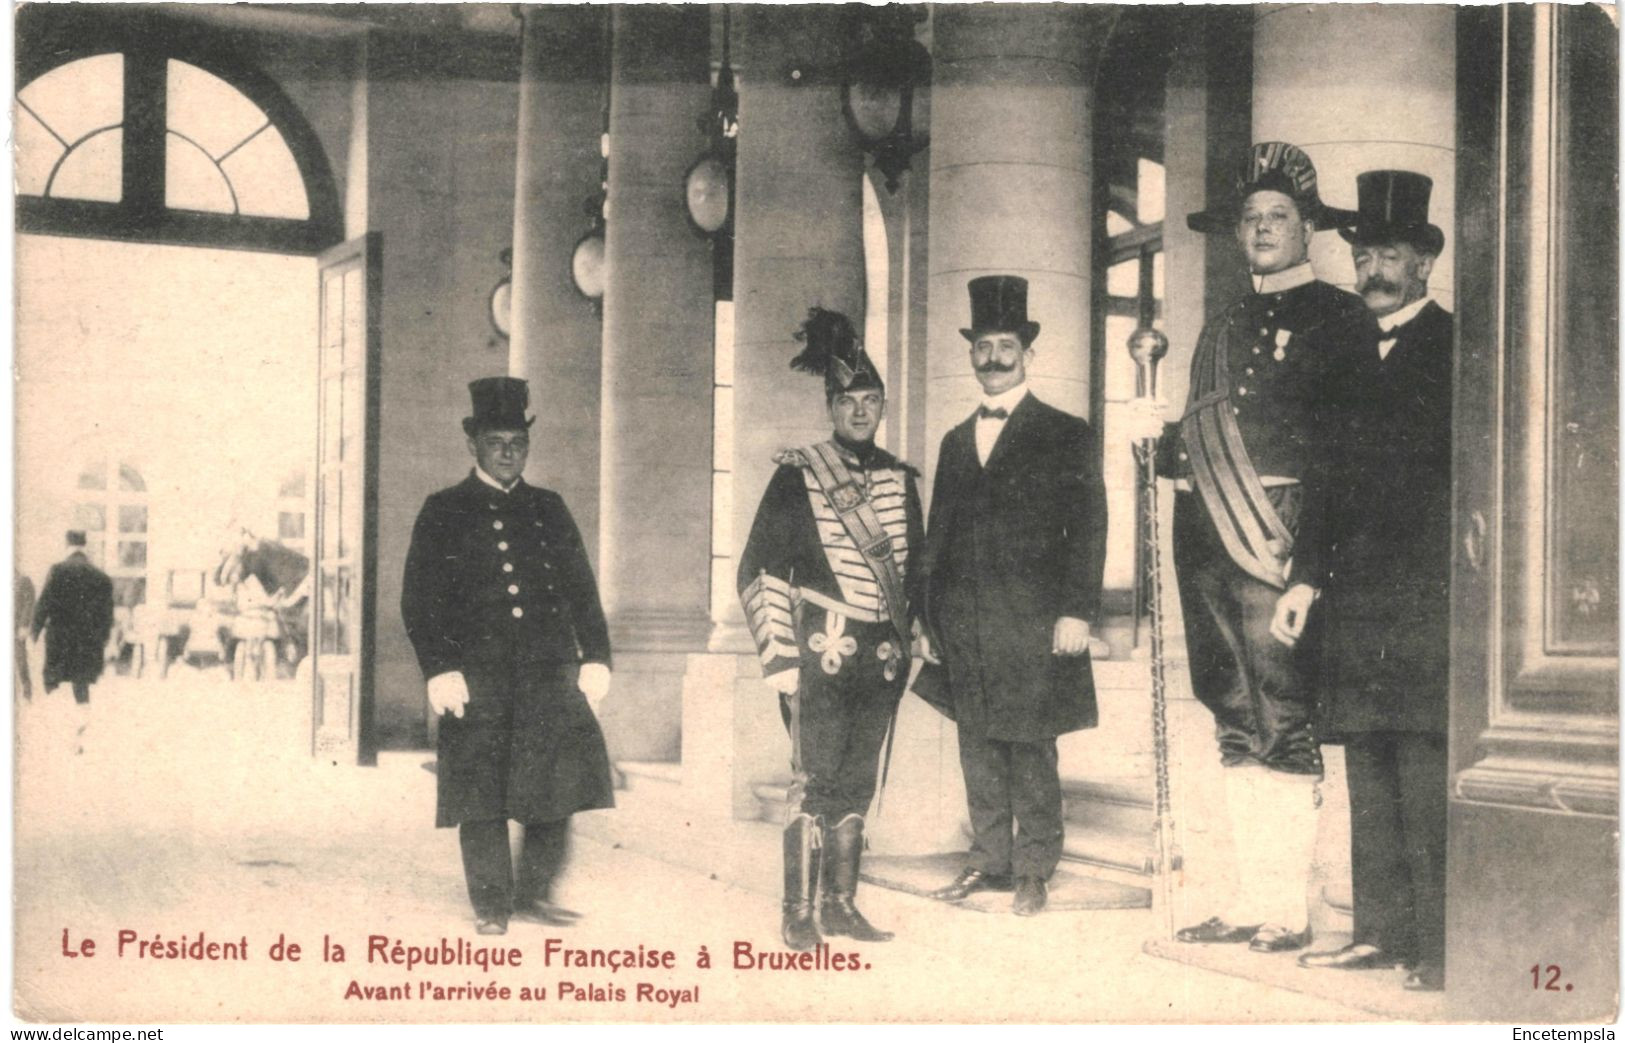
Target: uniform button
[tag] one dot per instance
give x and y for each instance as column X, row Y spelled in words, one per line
column 503, row 544
column 518, row 613
column 497, row 525
column 1184, row 456
column 1263, row 331
column 548, row 565
column 507, row 566
column 513, row 588
column 1236, row 410
column 1255, row 351
column 1249, row 373
column 1241, row 391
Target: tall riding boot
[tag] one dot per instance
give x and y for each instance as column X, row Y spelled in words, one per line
column 800, row 882
column 843, row 850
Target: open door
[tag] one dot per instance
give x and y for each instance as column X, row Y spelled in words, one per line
column 345, row 557
column 1533, row 857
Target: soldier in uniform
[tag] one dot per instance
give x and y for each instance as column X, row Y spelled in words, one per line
column 827, row 583
column 1371, row 573
column 1257, row 408
column 502, row 610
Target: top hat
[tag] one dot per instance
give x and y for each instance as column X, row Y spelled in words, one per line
column 1394, row 209
column 499, row 405
column 833, row 352
column 76, row 538
column 1273, row 166
column 998, row 304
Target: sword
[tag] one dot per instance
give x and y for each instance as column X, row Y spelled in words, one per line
column 1147, row 346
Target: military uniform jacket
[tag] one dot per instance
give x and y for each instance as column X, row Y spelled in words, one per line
column 799, row 550
column 1375, row 536
column 498, row 586
column 1011, row 547
column 1279, row 348
column 76, row 612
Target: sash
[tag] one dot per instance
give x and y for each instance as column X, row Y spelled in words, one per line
column 1253, row 534
column 857, row 513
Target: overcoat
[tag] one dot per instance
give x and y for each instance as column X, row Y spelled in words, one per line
column 1375, row 537
column 76, row 612
column 498, row 586
column 1010, row 548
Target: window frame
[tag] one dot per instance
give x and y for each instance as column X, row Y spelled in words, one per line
column 142, row 215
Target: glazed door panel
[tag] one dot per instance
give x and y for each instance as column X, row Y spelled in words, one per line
column 346, row 498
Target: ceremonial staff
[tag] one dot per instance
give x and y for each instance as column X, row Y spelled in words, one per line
column 1147, row 346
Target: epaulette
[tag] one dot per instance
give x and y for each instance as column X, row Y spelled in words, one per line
column 790, row 458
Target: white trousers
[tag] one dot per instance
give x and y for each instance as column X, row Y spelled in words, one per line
column 1273, row 817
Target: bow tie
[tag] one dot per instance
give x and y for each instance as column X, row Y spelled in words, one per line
column 984, row 413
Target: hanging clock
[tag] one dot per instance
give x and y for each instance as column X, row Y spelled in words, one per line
column 501, row 302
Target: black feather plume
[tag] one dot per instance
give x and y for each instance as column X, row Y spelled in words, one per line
column 826, row 334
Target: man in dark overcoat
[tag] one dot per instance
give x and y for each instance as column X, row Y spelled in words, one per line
column 1239, row 456
column 829, row 583
column 1374, row 545
column 75, row 612
column 502, row 609
column 1015, row 547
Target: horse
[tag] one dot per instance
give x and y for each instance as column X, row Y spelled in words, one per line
column 284, row 574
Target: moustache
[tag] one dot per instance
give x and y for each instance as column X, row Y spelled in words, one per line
column 996, row 367
column 1379, row 285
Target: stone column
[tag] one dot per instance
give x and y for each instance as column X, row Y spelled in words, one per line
column 1011, row 189
column 1314, row 86
column 799, row 228
column 657, row 376
column 555, row 336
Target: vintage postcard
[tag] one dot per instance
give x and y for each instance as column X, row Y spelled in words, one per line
column 942, row 513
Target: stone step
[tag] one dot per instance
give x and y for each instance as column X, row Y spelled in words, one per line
column 656, row 777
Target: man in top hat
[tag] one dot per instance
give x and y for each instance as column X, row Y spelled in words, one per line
column 1016, row 545
column 1374, row 548
column 1247, row 441
column 75, row 612
column 830, row 590
column 502, row 609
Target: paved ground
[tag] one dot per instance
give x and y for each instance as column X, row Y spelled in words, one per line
column 195, row 811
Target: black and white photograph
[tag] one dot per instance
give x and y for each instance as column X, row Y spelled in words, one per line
column 951, row 513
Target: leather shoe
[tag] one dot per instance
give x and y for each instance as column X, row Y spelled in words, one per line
column 1031, row 894
column 968, row 883
column 484, row 926
column 538, row 911
column 1214, row 930
column 1356, row 957
column 1425, row 978
column 1271, row 938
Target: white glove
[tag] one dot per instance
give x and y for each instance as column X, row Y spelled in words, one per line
column 448, row 691
column 1292, row 612
column 593, row 680
column 1139, row 419
column 785, row 682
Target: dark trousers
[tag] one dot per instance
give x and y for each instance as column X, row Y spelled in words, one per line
column 847, row 704
column 1261, row 701
column 25, row 681
column 488, row 864
column 1398, row 784
column 1012, row 784
column 81, row 692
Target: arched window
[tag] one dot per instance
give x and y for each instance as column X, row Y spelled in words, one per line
column 110, row 506
column 158, row 138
